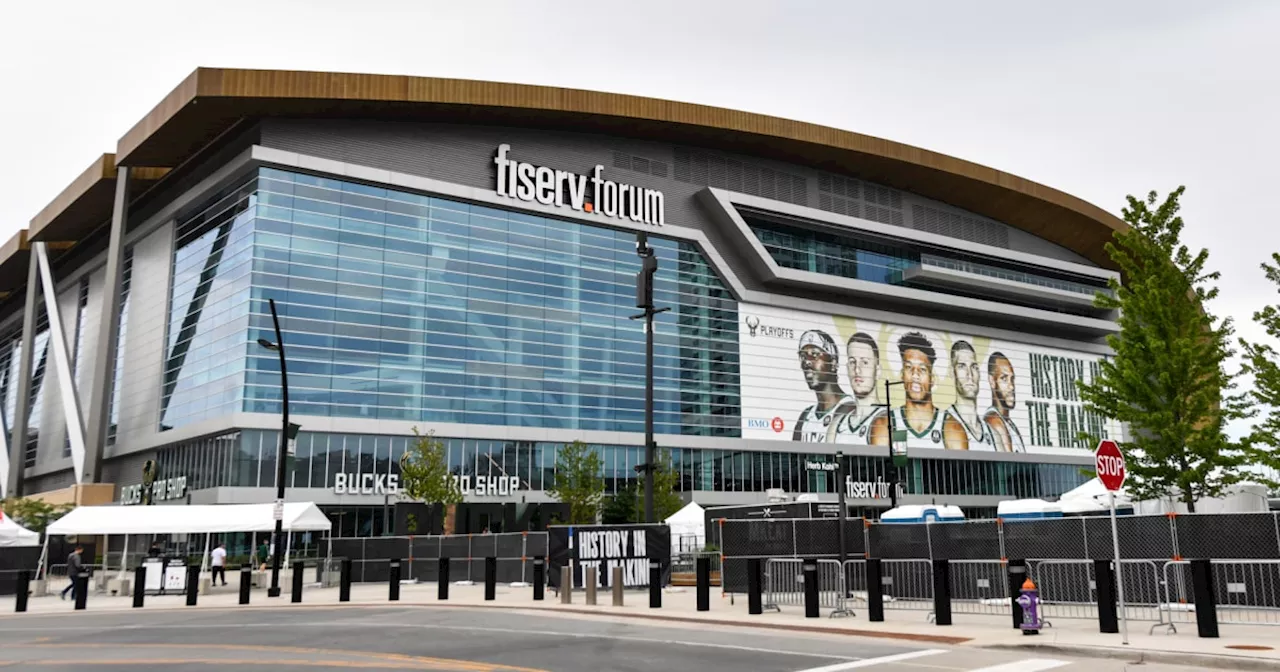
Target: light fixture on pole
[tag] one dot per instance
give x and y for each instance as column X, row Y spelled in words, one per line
column 644, row 299
column 288, row 432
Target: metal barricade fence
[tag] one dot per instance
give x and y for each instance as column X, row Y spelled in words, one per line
column 1247, row 591
column 908, row 584
column 784, row 584
column 1069, row 589
column 979, row 587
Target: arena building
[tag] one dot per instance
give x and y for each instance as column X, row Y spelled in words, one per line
column 460, row 257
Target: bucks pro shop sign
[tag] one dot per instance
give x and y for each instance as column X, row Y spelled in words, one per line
column 604, row 547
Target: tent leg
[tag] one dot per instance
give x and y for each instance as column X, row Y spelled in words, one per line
column 42, row 566
column 124, row 557
column 204, row 560
column 288, row 545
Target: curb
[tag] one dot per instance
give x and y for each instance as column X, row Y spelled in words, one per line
column 1224, row 661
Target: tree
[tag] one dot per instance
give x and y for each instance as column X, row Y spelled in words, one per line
column 35, row 514
column 622, row 507
column 666, row 487
column 579, row 482
column 1168, row 379
column 425, row 475
column 1260, row 362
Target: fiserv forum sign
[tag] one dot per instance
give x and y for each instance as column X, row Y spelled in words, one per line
column 561, row 188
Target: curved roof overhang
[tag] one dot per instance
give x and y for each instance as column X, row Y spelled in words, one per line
column 213, row 101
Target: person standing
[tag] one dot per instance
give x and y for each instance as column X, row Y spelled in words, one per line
column 218, row 561
column 74, row 566
column 264, row 554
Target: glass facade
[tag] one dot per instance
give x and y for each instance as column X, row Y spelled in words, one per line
column 247, row 459
column 122, row 332
column 39, row 367
column 882, row 261
column 406, row 307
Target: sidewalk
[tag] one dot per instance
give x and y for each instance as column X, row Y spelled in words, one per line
column 1068, row 636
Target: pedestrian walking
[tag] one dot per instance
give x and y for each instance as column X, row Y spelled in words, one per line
column 264, row 552
column 74, row 567
column 218, row 560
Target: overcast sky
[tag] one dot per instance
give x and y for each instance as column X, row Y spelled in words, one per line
column 1097, row 98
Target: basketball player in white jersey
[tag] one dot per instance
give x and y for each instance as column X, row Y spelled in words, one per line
column 864, row 373
column 921, row 419
column 963, row 427
column 819, row 362
column 1004, row 396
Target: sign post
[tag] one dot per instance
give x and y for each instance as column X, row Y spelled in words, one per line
column 1109, row 464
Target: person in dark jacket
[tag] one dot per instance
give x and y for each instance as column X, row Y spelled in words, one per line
column 74, row 567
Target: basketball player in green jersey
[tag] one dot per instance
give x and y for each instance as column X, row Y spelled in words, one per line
column 918, row 416
column 963, row 427
column 864, row 372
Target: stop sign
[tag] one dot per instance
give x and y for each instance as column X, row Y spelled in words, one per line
column 1109, row 463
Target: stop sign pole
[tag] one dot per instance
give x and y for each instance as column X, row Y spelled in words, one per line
column 1109, row 463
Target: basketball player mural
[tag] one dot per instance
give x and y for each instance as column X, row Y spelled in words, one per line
column 864, row 374
column 922, row 420
column 1004, row 397
column 820, row 364
column 963, row 427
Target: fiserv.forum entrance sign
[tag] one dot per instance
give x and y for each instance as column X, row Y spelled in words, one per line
column 563, row 189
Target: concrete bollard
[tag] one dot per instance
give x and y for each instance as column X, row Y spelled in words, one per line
column 139, row 586
column 22, row 590
column 344, row 580
column 655, row 584
column 490, row 578
column 539, row 578
column 393, row 588
column 442, row 580
column 704, row 583
column 566, row 585
column 942, row 592
column 193, row 584
column 246, row 582
column 616, row 584
column 298, row 570
column 591, row 580
column 82, row 590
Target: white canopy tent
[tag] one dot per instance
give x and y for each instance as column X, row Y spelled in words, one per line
column 206, row 519
column 195, row 519
column 12, row 534
column 689, row 523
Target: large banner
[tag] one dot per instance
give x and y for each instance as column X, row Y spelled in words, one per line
column 821, row 379
column 605, row 547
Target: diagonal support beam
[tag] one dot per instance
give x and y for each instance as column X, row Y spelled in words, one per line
column 62, row 363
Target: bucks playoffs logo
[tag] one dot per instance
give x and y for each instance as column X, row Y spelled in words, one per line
column 754, row 328
column 753, row 323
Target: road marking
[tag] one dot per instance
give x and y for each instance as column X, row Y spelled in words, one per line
column 380, row 625
column 870, row 662
column 1032, row 665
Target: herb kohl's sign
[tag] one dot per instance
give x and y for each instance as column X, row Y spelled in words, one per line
column 590, row 194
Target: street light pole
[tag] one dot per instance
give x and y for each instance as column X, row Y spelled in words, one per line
column 278, row 346
column 893, row 462
column 644, row 299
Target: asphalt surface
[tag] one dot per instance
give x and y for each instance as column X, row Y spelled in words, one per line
column 378, row 638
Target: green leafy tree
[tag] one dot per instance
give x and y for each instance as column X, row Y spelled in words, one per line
column 622, row 507
column 1260, row 361
column 425, row 475
column 34, row 514
column 1168, row 379
column 579, row 482
column 666, row 487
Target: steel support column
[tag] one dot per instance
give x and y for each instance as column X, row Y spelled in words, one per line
column 21, row 406
column 102, row 376
column 61, row 362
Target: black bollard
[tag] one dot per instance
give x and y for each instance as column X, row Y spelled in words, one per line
column 942, row 592
column 539, row 579
column 193, row 584
column 704, row 583
column 655, row 584
column 23, row 590
column 1104, row 577
column 395, row 581
column 809, row 569
column 490, row 578
column 298, row 570
column 82, row 590
column 139, row 586
column 754, row 604
column 246, row 582
column 875, row 590
column 1205, row 599
column 442, row 582
column 1016, row 577
column 344, row 580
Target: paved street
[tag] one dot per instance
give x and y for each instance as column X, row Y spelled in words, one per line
column 409, row 638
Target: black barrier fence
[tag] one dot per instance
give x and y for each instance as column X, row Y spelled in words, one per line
column 1157, row 538
column 14, row 560
column 419, row 556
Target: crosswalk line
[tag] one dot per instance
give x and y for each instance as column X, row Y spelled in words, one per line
column 871, row 662
column 1032, row 665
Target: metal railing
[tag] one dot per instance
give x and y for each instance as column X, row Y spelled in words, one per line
column 1069, row 589
column 784, row 584
column 979, row 586
column 908, row 584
